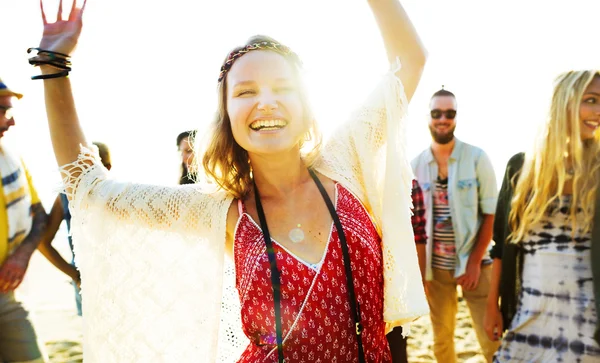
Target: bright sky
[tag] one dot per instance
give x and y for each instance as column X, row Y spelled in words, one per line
column 146, row 70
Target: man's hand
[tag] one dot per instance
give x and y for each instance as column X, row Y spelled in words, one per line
column 77, row 280
column 470, row 279
column 12, row 272
column 14, row 267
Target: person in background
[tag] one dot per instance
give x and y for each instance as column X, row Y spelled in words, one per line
column 185, row 145
column 545, row 288
column 460, row 191
column 22, row 223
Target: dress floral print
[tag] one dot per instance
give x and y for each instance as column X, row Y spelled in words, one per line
column 316, row 318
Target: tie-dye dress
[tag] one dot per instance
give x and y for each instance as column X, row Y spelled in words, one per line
column 317, row 320
column 556, row 314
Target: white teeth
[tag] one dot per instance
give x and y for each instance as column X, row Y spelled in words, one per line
column 268, row 124
column 592, row 123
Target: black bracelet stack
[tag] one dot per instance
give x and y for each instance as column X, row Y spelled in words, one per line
column 57, row 60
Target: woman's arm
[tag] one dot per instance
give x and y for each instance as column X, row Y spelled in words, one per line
column 86, row 181
column 401, row 40
column 65, row 130
column 493, row 322
column 45, row 247
column 354, row 157
column 367, row 129
column 493, row 318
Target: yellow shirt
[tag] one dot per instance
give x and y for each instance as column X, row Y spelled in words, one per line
column 4, row 217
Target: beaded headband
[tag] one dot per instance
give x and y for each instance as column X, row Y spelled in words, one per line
column 265, row 45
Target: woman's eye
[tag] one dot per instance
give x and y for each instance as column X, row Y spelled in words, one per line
column 245, row 92
column 590, row 100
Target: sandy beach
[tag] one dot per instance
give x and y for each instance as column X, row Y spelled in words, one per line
column 49, row 295
column 420, row 342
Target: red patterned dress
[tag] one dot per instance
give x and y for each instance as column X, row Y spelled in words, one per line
column 317, row 321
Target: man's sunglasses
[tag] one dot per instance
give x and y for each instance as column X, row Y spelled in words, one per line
column 437, row 114
column 6, row 112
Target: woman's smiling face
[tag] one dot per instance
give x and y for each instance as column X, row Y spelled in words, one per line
column 589, row 110
column 264, row 104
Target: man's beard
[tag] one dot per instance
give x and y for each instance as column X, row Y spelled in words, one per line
column 442, row 139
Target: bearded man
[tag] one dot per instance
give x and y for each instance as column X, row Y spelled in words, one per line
column 460, row 195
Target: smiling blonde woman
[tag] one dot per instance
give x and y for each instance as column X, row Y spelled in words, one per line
column 546, row 272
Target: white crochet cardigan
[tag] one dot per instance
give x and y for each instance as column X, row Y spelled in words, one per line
column 156, row 284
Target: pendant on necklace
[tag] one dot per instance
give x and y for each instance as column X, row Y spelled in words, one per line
column 296, row 235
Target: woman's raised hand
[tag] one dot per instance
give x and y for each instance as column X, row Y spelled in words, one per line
column 62, row 35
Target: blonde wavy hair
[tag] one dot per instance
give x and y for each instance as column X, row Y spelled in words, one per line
column 541, row 181
column 225, row 162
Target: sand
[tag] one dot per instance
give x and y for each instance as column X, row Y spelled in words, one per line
column 420, row 342
column 49, row 296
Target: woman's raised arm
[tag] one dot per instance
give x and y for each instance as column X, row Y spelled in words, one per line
column 401, row 40
column 61, row 37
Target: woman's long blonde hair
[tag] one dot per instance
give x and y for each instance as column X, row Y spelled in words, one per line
column 225, row 162
column 544, row 172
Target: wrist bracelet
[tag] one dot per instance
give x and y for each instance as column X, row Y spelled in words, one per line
column 49, row 52
column 50, row 76
column 56, row 60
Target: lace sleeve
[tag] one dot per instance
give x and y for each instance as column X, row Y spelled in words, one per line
column 360, row 150
column 368, row 156
column 183, row 209
column 151, row 261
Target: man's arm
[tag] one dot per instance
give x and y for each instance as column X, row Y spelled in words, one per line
column 13, row 269
column 488, row 197
column 422, row 256
column 45, row 246
column 484, row 238
column 470, row 279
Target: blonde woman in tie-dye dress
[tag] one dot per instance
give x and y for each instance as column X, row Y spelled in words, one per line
column 547, row 232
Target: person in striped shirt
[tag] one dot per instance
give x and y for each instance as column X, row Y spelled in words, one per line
column 22, row 223
column 460, row 195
